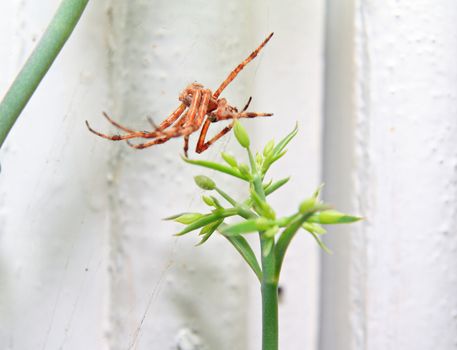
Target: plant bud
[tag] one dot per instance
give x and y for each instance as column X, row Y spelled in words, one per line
column 307, row 205
column 332, row 217
column 208, row 201
column 263, row 224
column 204, row 182
column 188, row 218
column 268, row 150
column 241, row 135
column 244, row 169
column 229, row 159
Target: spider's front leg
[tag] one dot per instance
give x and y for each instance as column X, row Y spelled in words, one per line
column 223, row 112
column 130, row 134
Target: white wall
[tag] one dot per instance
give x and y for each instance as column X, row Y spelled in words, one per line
column 85, row 259
column 391, row 125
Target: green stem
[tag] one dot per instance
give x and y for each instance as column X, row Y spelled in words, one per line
column 269, row 282
column 269, row 288
column 28, row 79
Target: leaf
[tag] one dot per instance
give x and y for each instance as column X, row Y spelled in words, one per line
column 243, row 247
column 216, row 166
column 208, row 230
column 284, row 142
column 321, row 244
column 207, row 219
column 276, row 185
column 246, row 226
column 314, row 228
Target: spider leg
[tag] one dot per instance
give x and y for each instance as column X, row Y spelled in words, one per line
column 157, row 141
column 177, row 129
column 116, row 124
column 202, row 145
column 195, row 117
column 130, row 135
column 186, row 145
column 134, row 134
column 246, row 106
column 238, row 69
column 253, row 115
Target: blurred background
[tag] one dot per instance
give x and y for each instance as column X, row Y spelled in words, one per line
column 86, row 261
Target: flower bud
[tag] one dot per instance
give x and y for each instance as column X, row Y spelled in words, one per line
column 229, row 159
column 204, row 182
column 268, row 150
column 332, row 217
column 241, row 134
column 244, row 169
column 263, row 224
column 307, row 205
column 188, row 218
column 208, row 201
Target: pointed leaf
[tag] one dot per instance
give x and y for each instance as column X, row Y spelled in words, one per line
column 216, row 166
column 208, row 231
column 243, row 247
column 207, row 219
column 321, row 243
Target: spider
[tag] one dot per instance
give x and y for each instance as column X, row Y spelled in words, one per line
column 196, row 104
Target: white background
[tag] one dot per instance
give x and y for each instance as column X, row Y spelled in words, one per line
column 86, row 261
column 86, row 258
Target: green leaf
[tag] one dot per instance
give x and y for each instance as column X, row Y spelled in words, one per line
column 243, row 247
column 208, row 230
column 204, row 182
column 241, row 134
column 318, row 190
column 261, row 206
column 321, row 243
column 267, row 184
column 207, row 219
column 329, row 217
column 314, row 228
column 271, row 232
column 284, row 142
column 218, row 167
column 246, row 226
column 276, row 185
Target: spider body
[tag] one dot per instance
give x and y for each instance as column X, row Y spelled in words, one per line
column 199, row 108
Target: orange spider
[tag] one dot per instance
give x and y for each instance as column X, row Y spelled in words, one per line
column 196, row 104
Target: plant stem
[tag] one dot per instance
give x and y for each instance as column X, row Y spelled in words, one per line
column 269, row 282
column 28, row 79
column 269, row 289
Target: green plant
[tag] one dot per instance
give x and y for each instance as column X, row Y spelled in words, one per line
column 275, row 233
column 39, row 62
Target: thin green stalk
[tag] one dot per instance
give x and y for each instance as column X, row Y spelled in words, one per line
column 269, row 316
column 269, row 289
column 269, row 282
column 28, row 79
